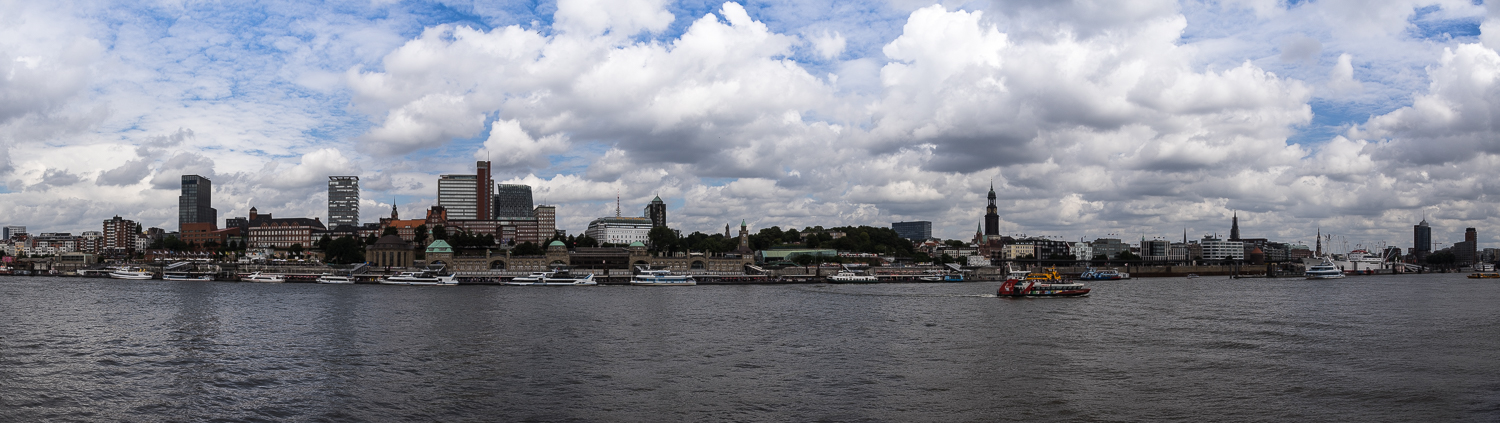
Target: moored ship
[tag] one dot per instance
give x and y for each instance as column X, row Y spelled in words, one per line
column 552, row 279
column 420, row 279
column 648, row 277
column 177, row 276
column 1047, row 283
column 845, row 276
column 263, row 277
column 337, row 280
column 131, row 273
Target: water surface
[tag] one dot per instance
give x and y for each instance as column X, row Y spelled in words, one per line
column 1386, row 348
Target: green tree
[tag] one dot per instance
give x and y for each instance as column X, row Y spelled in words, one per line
column 954, row 243
column 791, row 236
column 528, row 249
column 389, row 230
column 440, row 232
column 295, row 250
column 421, row 234
column 323, row 242
column 803, row 260
column 1126, row 255
column 585, row 241
column 345, row 250
column 945, row 259
column 662, row 238
column 1442, row 258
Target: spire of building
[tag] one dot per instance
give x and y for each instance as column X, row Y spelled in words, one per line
column 991, row 214
column 1234, row 228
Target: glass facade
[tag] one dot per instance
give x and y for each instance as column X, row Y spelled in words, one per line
column 343, row 201
column 915, row 231
column 512, row 201
column 459, row 194
column 195, row 205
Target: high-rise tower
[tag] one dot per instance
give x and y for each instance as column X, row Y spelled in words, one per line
column 195, row 205
column 343, row 201
column 1421, row 239
column 467, row 197
column 512, row 200
column 484, row 189
column 991, row 216
column 657, row 211
column 458, row 194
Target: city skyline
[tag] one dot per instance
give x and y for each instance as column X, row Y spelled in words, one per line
column 1145, row 121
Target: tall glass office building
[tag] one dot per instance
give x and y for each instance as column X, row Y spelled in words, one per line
column 195, row 205
column 343, row 201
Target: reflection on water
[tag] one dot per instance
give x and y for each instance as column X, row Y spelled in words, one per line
column 1396, row 348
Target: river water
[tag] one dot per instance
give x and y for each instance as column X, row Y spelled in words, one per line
column 1383, row 348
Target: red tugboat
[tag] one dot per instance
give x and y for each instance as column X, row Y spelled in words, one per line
column 1041, row 284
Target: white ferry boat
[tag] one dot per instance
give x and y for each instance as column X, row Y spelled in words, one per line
column 264, row 277
column 661, row 278
column 1324, row 270
column 420, row 279
column 131, row 273
column 845, row 276
column 185, row 277
column 551, row 279
column 331, row 279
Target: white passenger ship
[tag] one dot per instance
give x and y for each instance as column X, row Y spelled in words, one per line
column 420, row 279
column 648, row 277
column 1324, row 270
column 551, row 279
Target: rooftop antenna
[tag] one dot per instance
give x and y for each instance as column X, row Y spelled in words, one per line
column 617, row 203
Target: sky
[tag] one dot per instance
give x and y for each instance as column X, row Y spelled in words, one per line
column 1090, row 118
